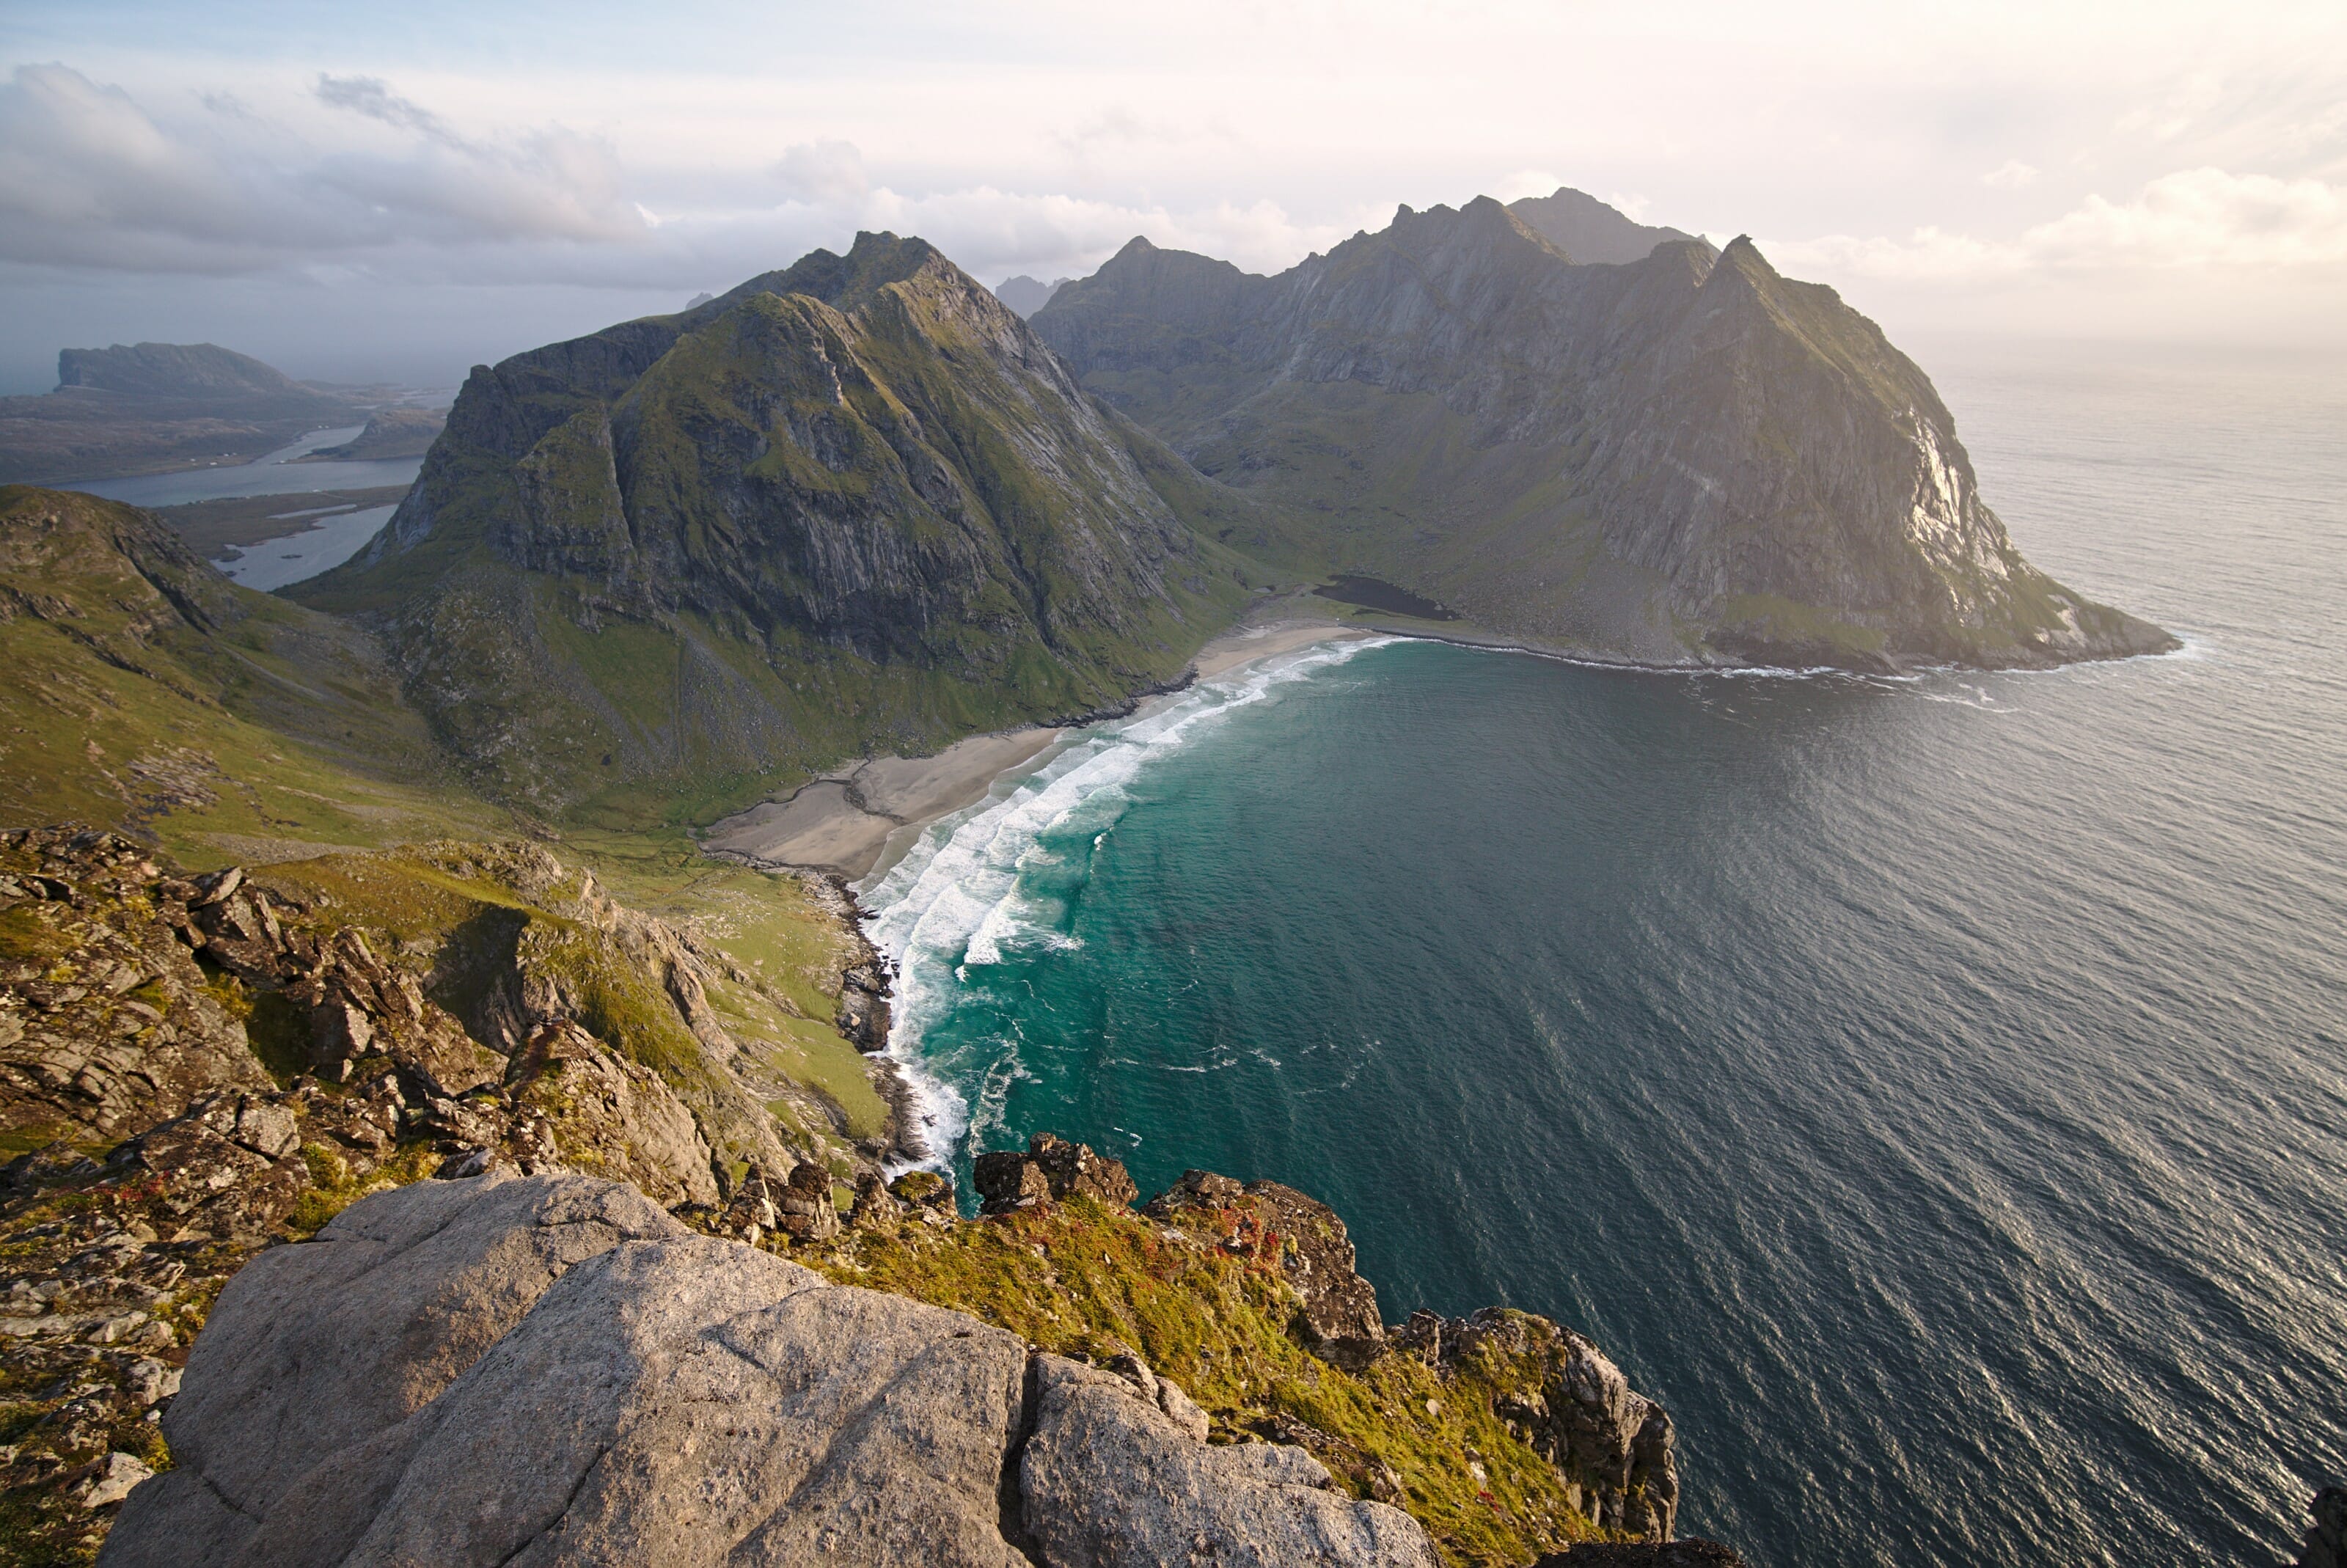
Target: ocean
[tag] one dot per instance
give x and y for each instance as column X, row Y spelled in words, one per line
column 1933, row 1090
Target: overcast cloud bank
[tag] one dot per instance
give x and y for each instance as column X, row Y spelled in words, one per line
column 2194, row 185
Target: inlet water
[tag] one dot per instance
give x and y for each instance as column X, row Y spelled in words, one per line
column 1934, row 1091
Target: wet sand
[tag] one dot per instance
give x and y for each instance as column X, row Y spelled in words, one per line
column 842, row 822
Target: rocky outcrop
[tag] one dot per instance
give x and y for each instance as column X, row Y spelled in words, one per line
column 1688, row 458
column 572, row 1379
column 1339, row 1317
column 251, row 1053
column 1111, row 1479
column 107, row 1024
column 1550, row 1388
column 2326, row 1539
column 547, row 1010
column 1613, row 1445
column 1052, row 1170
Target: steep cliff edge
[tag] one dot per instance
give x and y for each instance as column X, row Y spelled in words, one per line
column 855, row 504
column 1681, row 459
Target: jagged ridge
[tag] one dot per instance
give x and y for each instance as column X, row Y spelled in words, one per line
column 1673, row 460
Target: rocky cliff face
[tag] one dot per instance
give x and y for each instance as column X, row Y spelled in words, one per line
column 1679, row 459
column 853, row 502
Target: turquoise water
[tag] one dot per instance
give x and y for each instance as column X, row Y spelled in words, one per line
column 1934, row 1091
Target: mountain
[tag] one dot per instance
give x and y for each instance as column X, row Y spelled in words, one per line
column 176, row 370
column 154, row 406
column 1027, row 295
column 1588, row 230
column 853, row 504
column 1682, row 458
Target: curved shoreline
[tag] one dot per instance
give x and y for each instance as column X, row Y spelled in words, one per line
column 851, row 822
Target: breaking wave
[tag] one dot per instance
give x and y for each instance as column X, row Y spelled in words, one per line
column 997, row 878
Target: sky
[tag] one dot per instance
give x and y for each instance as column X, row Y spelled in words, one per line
column 398, row 193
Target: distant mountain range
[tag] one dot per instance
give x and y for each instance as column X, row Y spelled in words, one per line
column 1680, row 458
column 1027, row 295
column 153, row 406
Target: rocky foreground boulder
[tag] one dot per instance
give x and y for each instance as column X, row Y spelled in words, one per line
column 550, row 1370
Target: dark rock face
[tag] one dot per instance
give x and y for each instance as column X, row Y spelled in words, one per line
column 1340, row 1316
column 1052, row 1170
column 1687, row 458
column 1613, row 1445
column 549, row 1371
column 2326, row 1541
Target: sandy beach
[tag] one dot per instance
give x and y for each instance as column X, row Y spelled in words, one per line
column 842, row 822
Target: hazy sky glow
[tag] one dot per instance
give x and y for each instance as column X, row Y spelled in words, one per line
column 403, row 190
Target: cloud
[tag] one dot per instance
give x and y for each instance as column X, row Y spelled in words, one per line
column 90, row 178
column 2192, row 219
column 2011, row 175
column 372, row 98
column 823, row 172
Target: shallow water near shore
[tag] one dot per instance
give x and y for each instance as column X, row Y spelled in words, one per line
column 1933, row 1090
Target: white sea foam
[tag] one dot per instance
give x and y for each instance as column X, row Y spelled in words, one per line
column 978, row 884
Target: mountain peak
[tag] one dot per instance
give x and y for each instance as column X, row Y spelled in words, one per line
column 844, row 282
column 1590, row 231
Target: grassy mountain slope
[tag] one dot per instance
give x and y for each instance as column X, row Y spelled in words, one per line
column 855, row 505
column 147, row 690
column 149, row 694
column 1687, row 458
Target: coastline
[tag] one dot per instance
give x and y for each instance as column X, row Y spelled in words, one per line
column 851, row 821
column 843, row 823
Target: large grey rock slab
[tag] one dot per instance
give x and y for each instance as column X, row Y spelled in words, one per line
column 551, row 1373
column 492, row 1373
column 1110, row 1481
column 700, row 1402
column 314, row 1350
